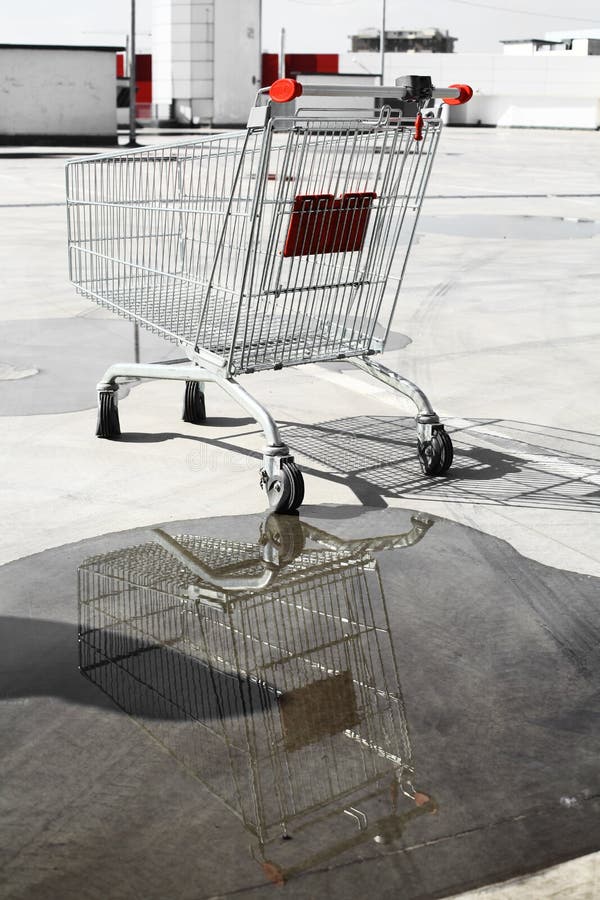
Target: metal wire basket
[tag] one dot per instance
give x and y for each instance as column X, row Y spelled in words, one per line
column 253, row 664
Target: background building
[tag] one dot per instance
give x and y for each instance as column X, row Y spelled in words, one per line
column 57, row 94
column 554, row 83
column 144, row 108
column 582, row 46
column 543, row 87
column 206, row 60
column 424, row 40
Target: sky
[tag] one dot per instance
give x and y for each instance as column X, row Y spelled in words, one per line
column 311, row 25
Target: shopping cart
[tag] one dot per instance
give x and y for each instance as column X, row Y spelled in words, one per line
column 269, row 673
column 261, row 249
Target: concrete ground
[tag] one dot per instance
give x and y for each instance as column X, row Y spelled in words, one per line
column 500, row 307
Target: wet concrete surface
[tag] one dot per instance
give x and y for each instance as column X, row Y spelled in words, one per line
column 496, row 655
column 521, row 227
column 327, row 703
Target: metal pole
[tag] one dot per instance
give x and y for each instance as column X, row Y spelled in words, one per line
column 282, row 55
column 382, row 42
column 132, row 79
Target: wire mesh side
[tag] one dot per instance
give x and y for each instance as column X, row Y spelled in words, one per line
column 191, row 240
column 270, row 684
column 337, row 693
column 145, row 227
column 320, row 305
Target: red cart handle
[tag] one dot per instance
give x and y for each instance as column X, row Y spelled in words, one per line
column 285, row 89
column 465, row 94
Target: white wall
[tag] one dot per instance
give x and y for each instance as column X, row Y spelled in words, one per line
column 54, row 93
column 182, row 58
column 553, row 91
column 519, row 111
column 524, row 49
column 162, row 79
column 237, row 65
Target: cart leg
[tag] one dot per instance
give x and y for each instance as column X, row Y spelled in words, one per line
column 280, row 477
column 433, row 443
column 108, row 425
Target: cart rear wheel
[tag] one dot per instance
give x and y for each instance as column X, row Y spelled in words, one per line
column 437, row 454
column 108, row 425
column 286, row 490
column 194, row 407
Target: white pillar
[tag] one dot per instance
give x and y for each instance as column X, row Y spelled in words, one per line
column 206, row 59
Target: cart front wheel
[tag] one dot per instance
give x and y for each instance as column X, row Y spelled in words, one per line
column 286, row 490
column 437, row 454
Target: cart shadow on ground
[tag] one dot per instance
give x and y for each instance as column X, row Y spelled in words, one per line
column 50, row 650
column 496, row 461
column 157, row 437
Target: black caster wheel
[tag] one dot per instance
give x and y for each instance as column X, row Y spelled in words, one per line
column 108, row 416
column 194, row 408
column 437, row 454
column 285, row 491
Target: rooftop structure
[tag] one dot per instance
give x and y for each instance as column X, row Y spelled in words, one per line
column 577, row 46
column 424, row 40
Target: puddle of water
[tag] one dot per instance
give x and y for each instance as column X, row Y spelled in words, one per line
column 327, row 691
column 14, row 373
column 296, row 627
column 70, row 356
column 525, row 228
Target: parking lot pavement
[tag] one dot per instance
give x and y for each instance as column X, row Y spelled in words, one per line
column 499, row 322
column 502, row 330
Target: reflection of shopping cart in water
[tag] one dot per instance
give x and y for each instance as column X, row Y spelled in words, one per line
column 269, row 672
column 263, row 249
